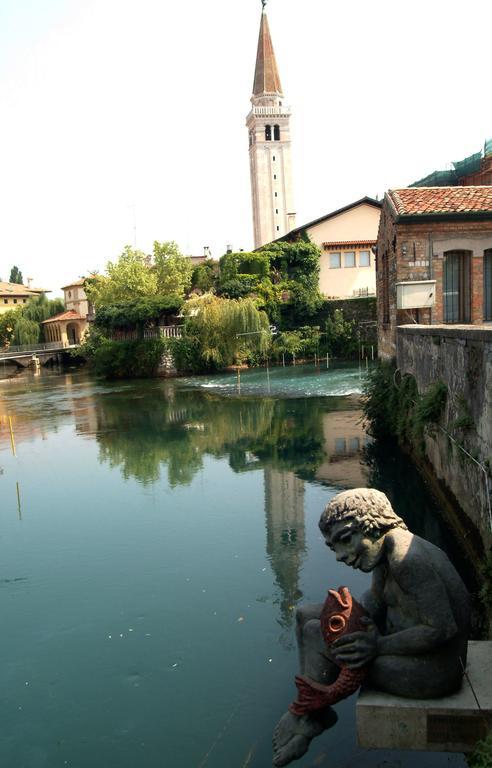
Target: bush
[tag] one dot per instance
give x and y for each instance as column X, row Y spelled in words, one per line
column 399, row 410
column 124, row 359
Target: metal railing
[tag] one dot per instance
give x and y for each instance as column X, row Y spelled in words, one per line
column 20, row 349
column 162, row 331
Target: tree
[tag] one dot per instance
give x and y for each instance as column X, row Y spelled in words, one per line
column 130, row 277
column 26, row 331
column 172, row 270
column 204, row 276
column 7, row 326
column 16, row 276
column 40, row 308
column 227, row 330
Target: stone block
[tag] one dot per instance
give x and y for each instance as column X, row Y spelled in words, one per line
column 451, row 724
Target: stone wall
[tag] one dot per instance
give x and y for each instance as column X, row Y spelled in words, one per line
column 461, row 357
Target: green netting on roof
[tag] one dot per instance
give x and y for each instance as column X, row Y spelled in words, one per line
column 487, row 150
column 469, row 165
column 437, row 179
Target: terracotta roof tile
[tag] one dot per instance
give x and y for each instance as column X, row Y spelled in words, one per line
column 69, row 314
column 421, row 201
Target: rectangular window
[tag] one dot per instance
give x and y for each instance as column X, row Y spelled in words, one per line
column 15, row 301
column 364, row 258
column 274, row 158
column 335, row 260
column 278, row 229
column 349, row 259
column 5, row 301
column 487, row 284
column 276, row 194
column 24, row 301
column 274, row 175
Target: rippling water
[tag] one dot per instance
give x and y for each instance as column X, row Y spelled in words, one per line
column 156, row 537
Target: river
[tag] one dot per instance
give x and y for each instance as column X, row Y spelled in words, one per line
column 156, row 537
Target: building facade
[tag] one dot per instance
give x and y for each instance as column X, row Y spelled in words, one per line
column 14, row 295
column 268, row 125
column 346, row 238
column 434, row 259
column 69, row 327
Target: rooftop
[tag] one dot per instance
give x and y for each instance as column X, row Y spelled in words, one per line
column 69, row 314
column 432, row 201
column 74, row 284
column 15, row 289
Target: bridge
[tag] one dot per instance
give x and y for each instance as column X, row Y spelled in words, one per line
column 22, row 355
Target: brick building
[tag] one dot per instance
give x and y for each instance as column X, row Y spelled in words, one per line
column 434, row 259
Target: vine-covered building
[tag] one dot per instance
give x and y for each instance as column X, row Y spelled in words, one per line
column 434, row 259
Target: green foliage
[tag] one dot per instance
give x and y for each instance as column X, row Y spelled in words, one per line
column 297, row 265
column 135, row 275
column 8, row 321
column 26, row 332
column 137, row 313
column 288, row 342
column 127, row 278
column 41, row 308
column 187, row 355
column 482, row 755
column 226, row 330
column 172, row 270
column 16, row 276
column 122, row 359
column 391, row 410
column 341, row 337
column 204, row 277
column 23, row 325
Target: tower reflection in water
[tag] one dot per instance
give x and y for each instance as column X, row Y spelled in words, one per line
column 343, row 440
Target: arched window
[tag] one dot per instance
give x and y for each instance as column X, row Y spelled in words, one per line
column 276, row 132
column 268, row 132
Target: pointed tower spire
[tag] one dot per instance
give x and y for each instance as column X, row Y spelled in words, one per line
column 267, row 78
column 268, row 126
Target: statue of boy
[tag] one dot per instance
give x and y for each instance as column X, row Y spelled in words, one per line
column 416, row 639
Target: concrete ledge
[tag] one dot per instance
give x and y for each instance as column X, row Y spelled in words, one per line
column 472, row 332
column 451, row 724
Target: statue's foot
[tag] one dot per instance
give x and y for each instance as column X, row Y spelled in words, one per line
column 293, row 734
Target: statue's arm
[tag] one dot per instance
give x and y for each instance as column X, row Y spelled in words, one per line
column 424, row 598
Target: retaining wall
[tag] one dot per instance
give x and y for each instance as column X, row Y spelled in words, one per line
column 461, row 357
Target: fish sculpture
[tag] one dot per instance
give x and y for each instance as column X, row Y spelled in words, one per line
column 341, row 615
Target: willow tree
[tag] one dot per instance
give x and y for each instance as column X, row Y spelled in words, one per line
column 228, row 331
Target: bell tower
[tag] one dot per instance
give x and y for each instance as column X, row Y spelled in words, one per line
column 268, row 125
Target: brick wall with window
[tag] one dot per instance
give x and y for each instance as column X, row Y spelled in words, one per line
column 421, row 250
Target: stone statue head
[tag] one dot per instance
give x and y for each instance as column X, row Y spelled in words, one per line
column 354, row 525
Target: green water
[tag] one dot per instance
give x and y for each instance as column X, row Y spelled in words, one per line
column 155, row 538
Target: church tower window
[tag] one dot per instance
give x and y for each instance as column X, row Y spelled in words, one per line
column 268, row 132
column 276, row 133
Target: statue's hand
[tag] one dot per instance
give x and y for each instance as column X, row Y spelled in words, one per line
column 359, row 648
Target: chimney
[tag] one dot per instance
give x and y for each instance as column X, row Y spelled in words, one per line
column 29, row 281
column 228, row 248
column 206, row 252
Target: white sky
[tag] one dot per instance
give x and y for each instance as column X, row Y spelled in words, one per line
column 109, row 103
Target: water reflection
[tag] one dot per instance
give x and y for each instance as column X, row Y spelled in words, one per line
column 146, row 510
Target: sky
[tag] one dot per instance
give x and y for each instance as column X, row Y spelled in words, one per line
column 123, row 121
